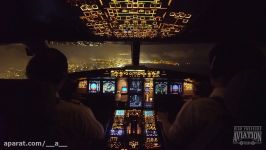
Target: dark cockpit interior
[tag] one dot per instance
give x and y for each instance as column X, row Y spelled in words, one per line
column 129, row 61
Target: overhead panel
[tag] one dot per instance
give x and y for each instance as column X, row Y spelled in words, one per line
column 131, row 18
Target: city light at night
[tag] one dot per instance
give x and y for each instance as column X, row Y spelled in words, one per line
column 93, row 64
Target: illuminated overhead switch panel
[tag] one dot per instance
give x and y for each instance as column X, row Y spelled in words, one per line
column 95, row 19
column 131, row 18
column 176, row 23
column 135, row 18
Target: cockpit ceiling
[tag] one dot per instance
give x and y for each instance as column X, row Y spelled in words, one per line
column 124, row 19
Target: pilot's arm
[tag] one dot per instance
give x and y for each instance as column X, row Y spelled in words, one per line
column 92, row 128
column 182, row 129
column 192, row 119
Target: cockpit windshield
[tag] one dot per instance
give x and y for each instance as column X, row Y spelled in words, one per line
column 190, row 58
column 13, row 61
column 95, row 56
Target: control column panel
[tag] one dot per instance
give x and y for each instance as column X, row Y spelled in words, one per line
column 134, row 129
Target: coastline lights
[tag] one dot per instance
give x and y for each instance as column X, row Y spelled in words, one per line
column 131, row 18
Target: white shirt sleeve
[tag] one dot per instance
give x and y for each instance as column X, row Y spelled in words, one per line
column 192, row 118
column 183, row 126
column 92, row 127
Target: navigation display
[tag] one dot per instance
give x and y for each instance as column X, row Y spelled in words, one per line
column 135, row 101
column 94, row 87
column 176, row 88
column 136, row 86
column 161, row 88
column 109, row 87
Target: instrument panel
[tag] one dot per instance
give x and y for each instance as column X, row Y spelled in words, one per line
column 134, row 124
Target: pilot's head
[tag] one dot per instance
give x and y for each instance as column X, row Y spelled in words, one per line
column 228, row 59
column 48, row 66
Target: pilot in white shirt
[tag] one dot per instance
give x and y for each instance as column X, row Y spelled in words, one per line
column 192, row 118
column 77, row 125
